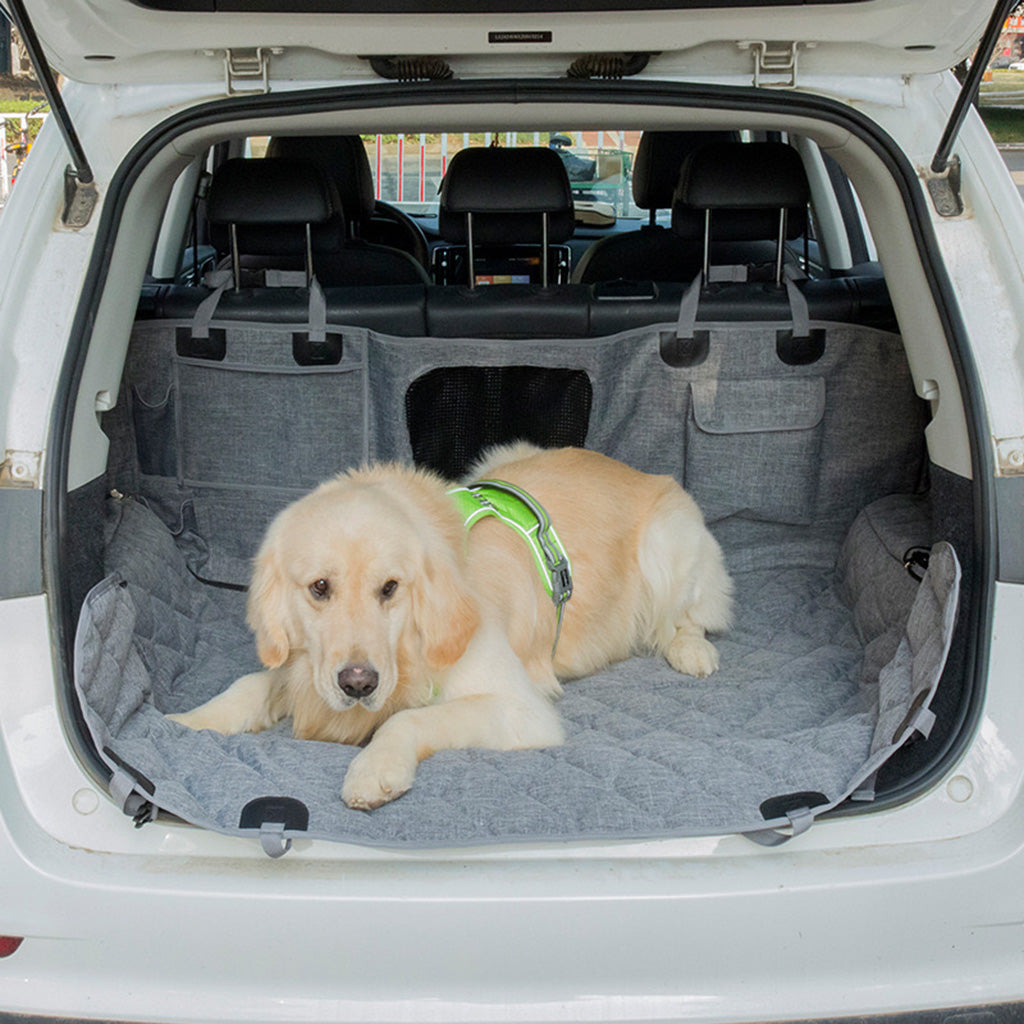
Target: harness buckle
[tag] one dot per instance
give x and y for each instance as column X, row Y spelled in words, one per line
column 561, row 581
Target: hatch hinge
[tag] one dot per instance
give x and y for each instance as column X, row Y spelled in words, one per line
column 775, row 63
column 247, row 71
column 944, row 188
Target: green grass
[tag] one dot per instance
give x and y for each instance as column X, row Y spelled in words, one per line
column 1004, row 125
column 23, row 106
column 1003, row 82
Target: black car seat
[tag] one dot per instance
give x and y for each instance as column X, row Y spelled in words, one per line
column 732, row 195
column 504, row 213
column 344, row 159
column 285, row 216
column 653, row 252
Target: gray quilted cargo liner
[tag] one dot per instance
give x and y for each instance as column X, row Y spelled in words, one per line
column 795, row 709
column 807, row 475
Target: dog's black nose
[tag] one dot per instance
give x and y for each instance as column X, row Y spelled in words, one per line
column 358, row 679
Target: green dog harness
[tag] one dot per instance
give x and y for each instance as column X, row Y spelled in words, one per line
column 528, row 518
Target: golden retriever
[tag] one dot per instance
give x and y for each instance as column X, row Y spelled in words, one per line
column 378, row 615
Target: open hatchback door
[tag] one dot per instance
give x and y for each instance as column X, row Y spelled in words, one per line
column 292, row 41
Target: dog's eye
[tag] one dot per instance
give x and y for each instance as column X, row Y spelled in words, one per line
column 320, row 589
column 388, row 590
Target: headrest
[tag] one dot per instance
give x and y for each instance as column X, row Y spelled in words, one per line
column 506, row 190
column 270, row 202
column 658, row 160
column 343, row 158
column 744, row 184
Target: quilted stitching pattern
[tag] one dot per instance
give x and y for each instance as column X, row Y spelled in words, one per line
column 649, row 752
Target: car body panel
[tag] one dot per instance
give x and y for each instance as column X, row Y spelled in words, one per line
column 702, row 931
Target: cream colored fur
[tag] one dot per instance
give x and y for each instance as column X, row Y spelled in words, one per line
column 462, row 644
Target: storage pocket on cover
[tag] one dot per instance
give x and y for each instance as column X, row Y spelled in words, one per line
column 155, row 434
column 229, row 525
column 752, row 447
column 269, row 426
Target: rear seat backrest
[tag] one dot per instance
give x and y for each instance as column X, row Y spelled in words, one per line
column 494, row 200
column 513, row 311
column 277, row 214
column 653, row 252
column 736, row 192
column 223, row 441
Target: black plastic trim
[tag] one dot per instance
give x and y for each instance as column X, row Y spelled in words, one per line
column 386, row 95
column 843, row 191
column 279, row 810
column 465, row 6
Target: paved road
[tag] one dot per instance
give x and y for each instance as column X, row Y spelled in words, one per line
column 1014, row 160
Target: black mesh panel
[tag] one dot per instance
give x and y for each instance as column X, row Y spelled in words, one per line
column 454, row 413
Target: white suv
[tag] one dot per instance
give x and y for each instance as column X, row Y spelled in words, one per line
column 778, row 258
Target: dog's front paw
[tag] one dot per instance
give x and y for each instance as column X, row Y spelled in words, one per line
column 377, row 776
column 692, row 655
column 195, row 719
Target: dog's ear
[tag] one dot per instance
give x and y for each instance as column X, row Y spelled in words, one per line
column 268, row 612
column 445, row 612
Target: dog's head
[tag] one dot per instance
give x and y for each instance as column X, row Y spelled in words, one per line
column 364, row 575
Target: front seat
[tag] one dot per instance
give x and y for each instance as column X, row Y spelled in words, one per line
column 741, row 202
column 653, row 253
column 344, row 159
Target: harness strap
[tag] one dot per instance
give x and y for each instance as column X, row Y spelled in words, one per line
column 518, row 509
